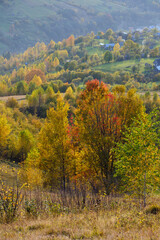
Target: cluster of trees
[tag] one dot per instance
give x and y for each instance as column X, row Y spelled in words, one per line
column 93, row 140
column 76, row 134
column 17, row 133
column 72, row 61
column 94, row 146
column 130, row 50
column 26, row 81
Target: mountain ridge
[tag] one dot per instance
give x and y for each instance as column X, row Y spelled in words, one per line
column 26, row 22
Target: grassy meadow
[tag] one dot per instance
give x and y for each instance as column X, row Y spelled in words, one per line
column 116, row 219
column 45, row 215
column 124, row 65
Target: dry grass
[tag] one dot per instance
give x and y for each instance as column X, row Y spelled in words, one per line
column 119, row 219
column 8, row 172
column 17, row 97
column 109, row 218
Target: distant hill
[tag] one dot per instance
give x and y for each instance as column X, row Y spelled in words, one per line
column 23, row 23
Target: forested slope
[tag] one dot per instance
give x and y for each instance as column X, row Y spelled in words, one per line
column 23, row 23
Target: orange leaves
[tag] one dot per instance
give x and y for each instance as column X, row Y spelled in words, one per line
column 70, row 41
column 96, row 85
column 91, row 85
column 99, row 128
column 94, row 91
column 73, row 134
column 98, row 107
column 32, row 73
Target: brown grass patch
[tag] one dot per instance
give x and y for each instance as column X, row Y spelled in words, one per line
column 124, row 221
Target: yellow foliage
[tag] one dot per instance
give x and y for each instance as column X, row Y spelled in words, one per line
column 37, row 80
column 4, row 131
column 30, row 172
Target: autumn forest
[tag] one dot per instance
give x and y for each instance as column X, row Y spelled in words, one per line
column 79, row 138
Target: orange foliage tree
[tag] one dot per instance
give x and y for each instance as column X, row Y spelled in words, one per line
column 99, row 129
column 70, row 41
column 30, row 75
column 101, row 117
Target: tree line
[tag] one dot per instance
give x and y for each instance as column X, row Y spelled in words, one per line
column 106, row 143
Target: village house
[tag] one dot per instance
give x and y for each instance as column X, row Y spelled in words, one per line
column 109, row 46
column 157, row 64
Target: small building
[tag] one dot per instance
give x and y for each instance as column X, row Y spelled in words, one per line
column 152, row 27
column 157, row 64
column 109, row 46
column 122, row 34
column 97, row 37
column 121, row 43
column 140, row 30
column 158, row 28
column 157, row 35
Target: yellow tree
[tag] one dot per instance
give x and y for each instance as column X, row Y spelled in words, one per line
column 51, row 45
column 129, row 105
column 37, row 80
column 55, row 62
column 138, row 159
column 50, row 96
column 69, row 95
column 4, row 132
column 116, row 52
column 25, row 144
column 50, row 92
column 54, row 146
column 30, row 171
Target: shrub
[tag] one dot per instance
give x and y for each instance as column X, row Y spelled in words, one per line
column 30, row 208
column 10, row 201
column 12, row 103
column 154, row 209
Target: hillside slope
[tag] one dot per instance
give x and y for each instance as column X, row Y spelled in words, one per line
column 23, row 23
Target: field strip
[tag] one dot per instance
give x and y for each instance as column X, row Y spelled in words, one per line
column 17, row 97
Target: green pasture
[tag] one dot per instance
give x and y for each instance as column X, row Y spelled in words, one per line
column 95, row 50
column 105, row 41
column 124, row 65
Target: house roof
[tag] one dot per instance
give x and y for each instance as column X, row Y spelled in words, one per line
column 121, row 44
column 109, row 45
column 157, row 62
column 158, row 67
column 151, row 27
column 97, row 37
